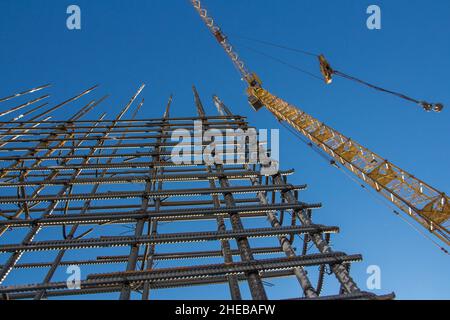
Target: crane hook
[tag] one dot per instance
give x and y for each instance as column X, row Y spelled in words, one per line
column 436, row 107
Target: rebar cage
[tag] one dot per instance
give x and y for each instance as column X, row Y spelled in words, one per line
column 102, row 199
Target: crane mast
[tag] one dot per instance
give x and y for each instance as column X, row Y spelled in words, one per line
column 420, row 201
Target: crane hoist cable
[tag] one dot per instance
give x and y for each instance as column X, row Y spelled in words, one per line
column 283, row 62
column 328, row 72
column 308, row 53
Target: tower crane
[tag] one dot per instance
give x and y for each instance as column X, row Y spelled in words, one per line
column 417, row 199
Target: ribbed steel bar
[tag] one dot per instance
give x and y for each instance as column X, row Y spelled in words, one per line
column 17, row 134
column 158, row 284
column 24, row 173
column 95, row 178
column 92, row 208
column 16, row 95
column 148, row 121
column 140, row 224
column 74, row 228
column 115, row 241
column 254, row 281
column 23, row 105
column 35, row 229
column 153, row 194
column 105, row 260
column 194, row 272
column 148, row 261
column 339, row 270
column 233, row 282
column 182, row 170
column 136, row 179
column 31, row 233
column 285, row 243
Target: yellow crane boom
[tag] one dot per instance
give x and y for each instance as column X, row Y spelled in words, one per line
column 420, row 201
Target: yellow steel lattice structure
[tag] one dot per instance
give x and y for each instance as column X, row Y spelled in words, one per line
column 419, row 200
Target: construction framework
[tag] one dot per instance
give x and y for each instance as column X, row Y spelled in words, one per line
column 69, row 189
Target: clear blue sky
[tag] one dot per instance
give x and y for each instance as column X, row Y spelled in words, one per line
column 165, row 45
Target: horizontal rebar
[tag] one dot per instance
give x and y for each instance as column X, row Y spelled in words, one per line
column 103, row 260
column 166, row 215
column 151, row 194
column 193, row 272
column 158, row 284
column 117, row 241
column 138, row 179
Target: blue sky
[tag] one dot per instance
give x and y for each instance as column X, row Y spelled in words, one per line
column 165, row 45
